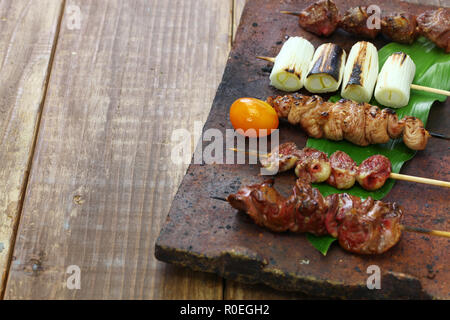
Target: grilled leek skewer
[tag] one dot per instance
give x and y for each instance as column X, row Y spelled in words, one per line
column 394, row 80
column 361, row 72
column 359, row 76
column 291, row 64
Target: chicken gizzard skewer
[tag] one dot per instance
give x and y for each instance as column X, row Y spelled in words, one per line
column 339, row 170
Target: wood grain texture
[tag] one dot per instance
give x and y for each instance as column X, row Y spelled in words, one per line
column 102, row 180
column 101, row 184
column 28, row 33
column 235, row 290
column 238, row 7
column 441, row 3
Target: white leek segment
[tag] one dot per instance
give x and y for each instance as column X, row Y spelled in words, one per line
column 394, row 80
column 361, row 71
column 291, row 64
column 326, row 69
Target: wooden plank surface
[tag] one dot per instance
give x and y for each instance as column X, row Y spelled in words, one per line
column 102, row 180
column 100, row 184
column 28, row 33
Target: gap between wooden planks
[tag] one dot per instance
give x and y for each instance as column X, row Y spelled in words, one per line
column 39, row 273
column 101, row 181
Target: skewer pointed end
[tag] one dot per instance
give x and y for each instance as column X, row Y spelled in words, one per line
column 439, row 135
column 436, row 233
column 270, row 59
column 292, row 13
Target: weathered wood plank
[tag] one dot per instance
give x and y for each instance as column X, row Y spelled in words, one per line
column 238, row 7
column 102, row 180
column 28, row 34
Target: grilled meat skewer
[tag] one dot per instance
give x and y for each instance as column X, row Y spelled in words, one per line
column 354, row 21
column 363, row 227
column 322, row 18
column 359, row 123
column 339, row 170
column 435, row 25
column 400, row 27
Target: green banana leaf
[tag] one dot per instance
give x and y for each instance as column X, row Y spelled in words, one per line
column 432, row 70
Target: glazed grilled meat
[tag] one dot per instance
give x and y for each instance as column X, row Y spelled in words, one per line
column 400, row 27
column 355, row 21
column 415, row 134
column 303, row 211
column 363, row 227
column 339, row 171
column 313, row 165
column 373, row 172
column 320, row 18
column 308, row 162
column 282, row 158
column 343, row 171
column 435, row 25
column 359, row 123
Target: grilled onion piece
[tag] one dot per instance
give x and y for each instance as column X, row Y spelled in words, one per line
column 394, row 80
column 360, row 72
column 291, row 64
column 326, row 69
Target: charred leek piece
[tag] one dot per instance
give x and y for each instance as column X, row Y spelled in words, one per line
column 326, row 69
column 360, row 72
column 291, row 64
column 394, row 80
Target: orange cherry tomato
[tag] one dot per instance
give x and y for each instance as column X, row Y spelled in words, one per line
column 251, row 113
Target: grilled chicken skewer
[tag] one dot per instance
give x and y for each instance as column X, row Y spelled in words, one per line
column 322, row 18
column 359, row 123
column 361, row 226
column 339, row 170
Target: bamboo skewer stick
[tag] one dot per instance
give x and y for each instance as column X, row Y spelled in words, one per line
column 270, row 59
column 292, row 13
column 434, row 182
column 439, row 135
column 252, row 153
column 413, row 86
column 436, row 233
column 432, row 90
column 395, row 176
